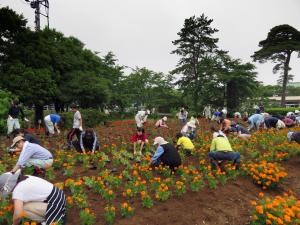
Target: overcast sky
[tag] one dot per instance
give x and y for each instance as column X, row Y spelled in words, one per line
column 140, row 32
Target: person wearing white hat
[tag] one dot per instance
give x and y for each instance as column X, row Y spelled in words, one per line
column 34, row 198
column 141, row 118
column 189, row 130
column 293, row 136
column 31, row 155
column 165, row 154
column 162, row 122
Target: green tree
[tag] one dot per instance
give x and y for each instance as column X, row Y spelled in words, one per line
column 195, row 45
column 278, row 47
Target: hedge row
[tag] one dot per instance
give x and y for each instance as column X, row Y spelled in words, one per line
column 280, row 111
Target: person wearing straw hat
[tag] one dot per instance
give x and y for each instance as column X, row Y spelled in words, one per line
column 166, row 154
column 141, row 118
column 162, row 122
column 31, row 155
column 293, row 136
column 33, row 198
column 189, row 130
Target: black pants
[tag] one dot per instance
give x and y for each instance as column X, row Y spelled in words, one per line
column 71, row 133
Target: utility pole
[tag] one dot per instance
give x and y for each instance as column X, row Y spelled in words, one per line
column 39, row 5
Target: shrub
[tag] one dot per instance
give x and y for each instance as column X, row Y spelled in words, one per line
column 280, row 111
column 90, row 117
column 279, row 210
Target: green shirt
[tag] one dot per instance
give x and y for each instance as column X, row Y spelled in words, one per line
column 220, row 144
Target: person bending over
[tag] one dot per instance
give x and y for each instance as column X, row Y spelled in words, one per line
column 184, row 143
column 35, row 198
column 221, row 150
column 31, row 155
column 88, row 142
column 166, row 154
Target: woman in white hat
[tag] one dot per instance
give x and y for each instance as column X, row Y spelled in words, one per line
column 34, row 197
column 165, row 154
column 162, row 122
column 189, row 130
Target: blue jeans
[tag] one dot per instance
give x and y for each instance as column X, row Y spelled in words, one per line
column 230, row 156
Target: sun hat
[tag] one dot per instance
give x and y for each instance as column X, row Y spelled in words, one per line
column 297, row 111
column 289, row 135
column 165, row 118
column 191, row 124
column 159, row 141
column 8, row 181
column 16, row 140
column 148, row 111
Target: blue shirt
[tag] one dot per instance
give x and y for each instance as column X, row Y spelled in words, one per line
column 54, row 118
column 255, row 120
column 159, row 151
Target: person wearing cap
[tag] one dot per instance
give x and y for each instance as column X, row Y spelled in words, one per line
column 141, row 118
column 182, row 116
column 255, row 121
column 51, row 123
column 240, row 131
column 166, row 154
column 34, row 198
column 31, row 155
column 220, row 150
column 77, row 125
column 189, row 130
column 293, row 136
column 185, row 144
column 162, row 122
column 139, row 138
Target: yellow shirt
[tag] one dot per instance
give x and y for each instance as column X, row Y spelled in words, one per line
column 220, row 144
column 186, row 143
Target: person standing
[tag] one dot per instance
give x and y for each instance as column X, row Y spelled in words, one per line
column 77, row 125
column 207, row 112
column 141, row 118
column 13, row 117
column 34, row 198
column 182, row 116
column 51, row 123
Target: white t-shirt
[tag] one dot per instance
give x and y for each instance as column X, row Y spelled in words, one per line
column 33, row 189
column 76, row 120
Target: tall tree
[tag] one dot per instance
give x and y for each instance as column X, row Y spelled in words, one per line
column 278, row 47
column 194, row 46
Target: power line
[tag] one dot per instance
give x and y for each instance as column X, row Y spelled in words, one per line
column 41, row 8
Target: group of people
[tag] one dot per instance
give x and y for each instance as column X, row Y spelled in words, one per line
column 43, row 202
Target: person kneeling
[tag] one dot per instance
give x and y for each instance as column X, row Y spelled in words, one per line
column 185, row 143
column 220, row 150
column 87, row 142
column 34, row 198
column 166, row 154
column 31, row 155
